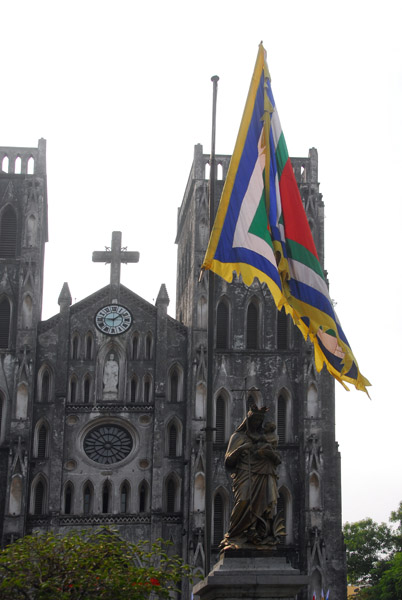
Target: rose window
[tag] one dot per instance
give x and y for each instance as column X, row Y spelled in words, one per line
column 108, row 444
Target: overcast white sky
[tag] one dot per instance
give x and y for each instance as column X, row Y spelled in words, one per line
column 121, row 91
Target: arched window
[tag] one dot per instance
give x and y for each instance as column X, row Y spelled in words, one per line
column 133, row 389
column 15, row 496
column 27, row 311
column 170, row 495
column 148, row 346
column 222, row 326
column 314, row 491
column 218, row 519
column 5, row 164
column 68, row 499
column 87, row 389
column 42, row 440
column 21, row 409
column 135, row 346
column 73, row 390
column 174, row 385
column 172, row 441
column 252, row 327
column 31, row 165
column 144, row 497
column 202, row 313
column 106, row 497
column 39, row 498
column 282, row 330
column 199, row 492
column 147, row 389
column 8, row 233
column 220, row 420
column 312, row 402
column 88, row 346
column 17, row 165
column 5, row 312
column 124, row 497
column 88, row 498
column 200, row 400
column 75, row 347
column 45, row 389
column 281, row 419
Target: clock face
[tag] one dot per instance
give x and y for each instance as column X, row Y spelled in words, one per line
column 113, row 319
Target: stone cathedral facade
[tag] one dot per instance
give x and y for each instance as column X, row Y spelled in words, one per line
column 102, row 406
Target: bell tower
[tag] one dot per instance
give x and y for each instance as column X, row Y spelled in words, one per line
column 23, row 233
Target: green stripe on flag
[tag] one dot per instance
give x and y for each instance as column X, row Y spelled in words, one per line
column 281, row 153
column 259, row 224
column 302, row 255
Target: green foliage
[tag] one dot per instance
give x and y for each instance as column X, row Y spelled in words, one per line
column 90, row 564
column 389, row 586
column 368, row 544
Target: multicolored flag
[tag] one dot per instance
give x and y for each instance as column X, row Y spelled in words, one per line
column 261, row 231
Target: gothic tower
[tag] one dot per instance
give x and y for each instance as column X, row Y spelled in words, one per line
column 23, row 234
column 260, row 357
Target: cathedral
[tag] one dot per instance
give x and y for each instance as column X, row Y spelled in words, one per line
column 103, row 406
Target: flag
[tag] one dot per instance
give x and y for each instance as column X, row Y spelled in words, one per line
column 327, row 596
column 314, row 595
column 261, row 231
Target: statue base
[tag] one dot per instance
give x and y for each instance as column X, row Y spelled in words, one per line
column 250, row 575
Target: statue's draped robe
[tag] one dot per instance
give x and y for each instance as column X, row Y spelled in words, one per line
column 254, row 485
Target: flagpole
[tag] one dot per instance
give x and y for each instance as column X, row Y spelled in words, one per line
column 210, row 347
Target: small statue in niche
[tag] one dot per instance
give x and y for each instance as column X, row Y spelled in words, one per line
column 111, row 377
column 253, row 458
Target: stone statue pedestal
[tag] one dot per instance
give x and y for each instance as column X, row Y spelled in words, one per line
column 250, row 575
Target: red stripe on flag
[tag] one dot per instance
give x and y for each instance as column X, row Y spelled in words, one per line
column 294, row 216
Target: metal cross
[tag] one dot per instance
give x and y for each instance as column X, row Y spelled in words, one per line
column 115, row 256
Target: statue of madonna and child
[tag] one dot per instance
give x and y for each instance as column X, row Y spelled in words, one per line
column 253, row 458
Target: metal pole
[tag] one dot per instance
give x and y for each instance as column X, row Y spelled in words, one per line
column 210, row 347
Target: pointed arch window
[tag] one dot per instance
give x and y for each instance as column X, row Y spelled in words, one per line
column 218, row 519
column 124, row 497
column 143, row 493
column 252, row 327
column 170, row 495
column 8, row 233
column 148, row 346
column 88, row 346
column 106, row 497
column 41, row 450
column 220, row 421
column 68, row 499
column 5, row 313
column 87, row 499
column 282, row 330
column 39, row 498
column 281, row 419
column 75, row 347
column 147, row 389
column 87, row 389
column 45, row 391
column 222, row 326
column 172, row 441
column 133, row 389
column 73, row 390
column 135, row 346
column 174, row 386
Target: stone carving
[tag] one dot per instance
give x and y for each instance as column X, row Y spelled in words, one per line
column 110, row 377
column 253, row 457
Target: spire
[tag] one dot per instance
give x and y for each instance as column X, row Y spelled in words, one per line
column 163, row 298
column 65, row 298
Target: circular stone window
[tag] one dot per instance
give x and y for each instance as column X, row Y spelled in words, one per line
column 108, row 444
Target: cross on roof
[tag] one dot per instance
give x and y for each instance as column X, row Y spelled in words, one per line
column 115, row 256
